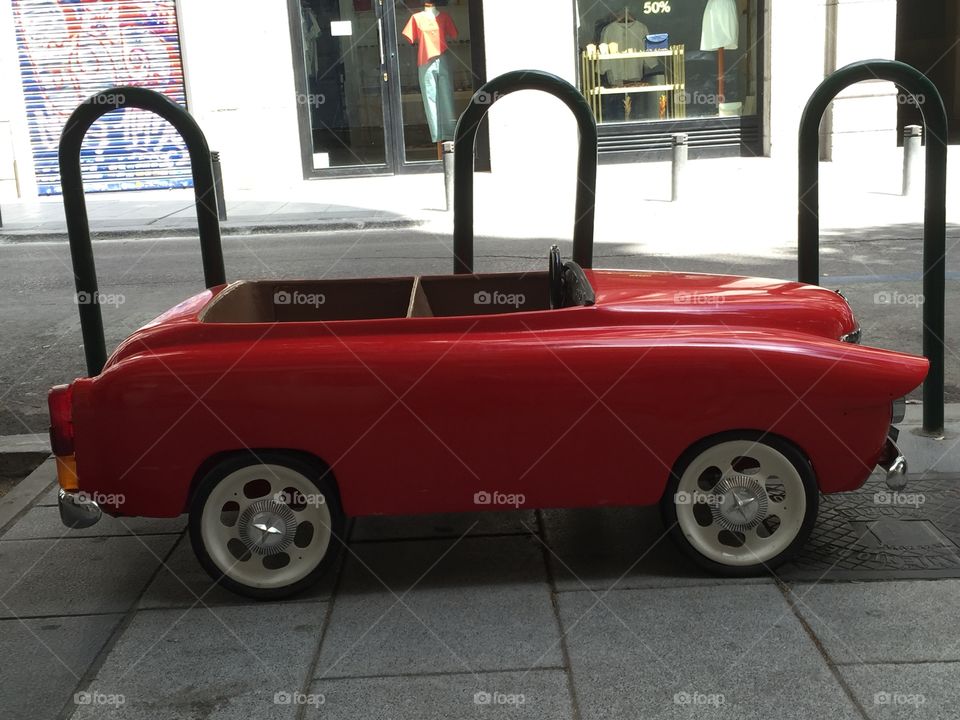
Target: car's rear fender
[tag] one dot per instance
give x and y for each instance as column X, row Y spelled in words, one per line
column 321, row 468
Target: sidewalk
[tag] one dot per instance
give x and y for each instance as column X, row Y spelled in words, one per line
column 749, row 204
column 559, row 614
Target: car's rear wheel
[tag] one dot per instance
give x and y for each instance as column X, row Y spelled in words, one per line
column 741, row 504
column 266, row 525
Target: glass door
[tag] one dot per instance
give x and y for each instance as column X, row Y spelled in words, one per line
column 345, row 92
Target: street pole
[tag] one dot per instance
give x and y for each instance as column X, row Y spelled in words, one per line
column 448, row 172
column 681, row 152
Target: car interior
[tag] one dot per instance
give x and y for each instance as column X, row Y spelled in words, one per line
column 263, row 301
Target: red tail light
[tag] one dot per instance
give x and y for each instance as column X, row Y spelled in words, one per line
column 60, row 402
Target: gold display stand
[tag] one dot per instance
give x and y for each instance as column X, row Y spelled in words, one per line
column 674, row 89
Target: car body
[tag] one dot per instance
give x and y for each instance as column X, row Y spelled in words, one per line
column 470, row 392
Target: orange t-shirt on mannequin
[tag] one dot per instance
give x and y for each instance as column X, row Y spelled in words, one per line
column 430, row 34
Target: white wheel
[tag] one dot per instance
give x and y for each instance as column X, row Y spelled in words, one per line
column 263, row 528
column 742, row 505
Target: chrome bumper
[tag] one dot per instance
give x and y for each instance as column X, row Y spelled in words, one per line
column 894, row 465
column 77, row 511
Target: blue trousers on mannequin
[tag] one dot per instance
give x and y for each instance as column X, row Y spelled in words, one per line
column 436, row 87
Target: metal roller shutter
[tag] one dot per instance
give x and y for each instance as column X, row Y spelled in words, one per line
column 72, row 49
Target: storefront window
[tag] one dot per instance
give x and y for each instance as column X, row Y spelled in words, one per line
column 384, row 81
column 654, row 60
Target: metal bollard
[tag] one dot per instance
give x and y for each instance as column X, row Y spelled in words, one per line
column 912, row 149
column 681, row 151
column 448, row 172
column 218, row 185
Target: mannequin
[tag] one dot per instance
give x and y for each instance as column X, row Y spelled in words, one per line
column 429, row 30
column 721, row 31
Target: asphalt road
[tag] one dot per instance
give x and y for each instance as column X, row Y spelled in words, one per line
column 878, row 270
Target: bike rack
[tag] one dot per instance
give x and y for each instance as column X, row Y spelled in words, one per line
column 75, row 206
column 465, row 148
column 931, row 105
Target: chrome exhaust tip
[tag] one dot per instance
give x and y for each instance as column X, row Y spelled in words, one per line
column 77, row 511
column 894, row 465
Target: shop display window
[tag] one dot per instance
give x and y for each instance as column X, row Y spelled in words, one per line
column 650, row 60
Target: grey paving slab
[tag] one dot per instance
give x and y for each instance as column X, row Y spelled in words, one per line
column 485, row 605
column 728, row 652
column 446, row 525
column 50, row 497
column 202, row 663
column 905, row 621
column 906, row 692
column 76, row 576
column 42, row 660
column 44, row 522
column 520, row 695
column 182, row 581
column 444, row 563
column 600, row 548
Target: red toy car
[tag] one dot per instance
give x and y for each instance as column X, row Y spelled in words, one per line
column 271, row 411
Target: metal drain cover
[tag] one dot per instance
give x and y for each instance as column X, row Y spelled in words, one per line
column 867, row 535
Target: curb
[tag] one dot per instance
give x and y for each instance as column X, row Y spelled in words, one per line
column 226, row 230
column 930, row 455
column 26, row 493
column 35, row 443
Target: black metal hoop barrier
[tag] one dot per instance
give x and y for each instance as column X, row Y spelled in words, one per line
column 75, row 206
column 931, row 105
column 464, row 150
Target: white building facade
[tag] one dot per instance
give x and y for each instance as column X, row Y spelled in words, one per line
column 294, row 91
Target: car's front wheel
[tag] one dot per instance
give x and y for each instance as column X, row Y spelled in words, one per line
column 741, row 504
column 266, row 525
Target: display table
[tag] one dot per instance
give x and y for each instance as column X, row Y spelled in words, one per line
column 673, row 90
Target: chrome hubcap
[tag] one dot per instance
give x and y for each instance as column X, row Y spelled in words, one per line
column 267, row 527
column 742, row 503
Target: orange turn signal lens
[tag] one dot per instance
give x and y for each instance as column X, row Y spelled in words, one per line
column 67, row 473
